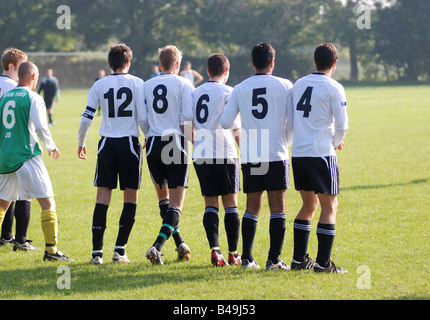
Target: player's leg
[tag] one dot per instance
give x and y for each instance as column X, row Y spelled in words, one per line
column 164, row 204
column 254, row 201
column 211, row 225
column 22, row 219
column 50, row 230
column 126, row 223
column 172, row 217
column 326, row 233
column 8, row 192
column 232, row 227
column 163, row 198
column 276, row 200
column 302, row 229
column 98, row 228
column 4, row 206
column 6, row 226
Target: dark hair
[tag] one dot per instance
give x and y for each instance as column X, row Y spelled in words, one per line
column 325, row 56
column 119, row 56
column 262, row 55
column 217, row 64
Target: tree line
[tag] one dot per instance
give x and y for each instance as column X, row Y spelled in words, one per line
column 392, row 44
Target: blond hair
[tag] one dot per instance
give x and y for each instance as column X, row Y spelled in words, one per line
column 168, row 56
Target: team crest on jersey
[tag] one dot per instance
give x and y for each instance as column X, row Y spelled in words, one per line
column 343, row 104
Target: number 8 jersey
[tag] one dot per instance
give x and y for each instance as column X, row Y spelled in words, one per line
column 121, row 99
column 169, row 102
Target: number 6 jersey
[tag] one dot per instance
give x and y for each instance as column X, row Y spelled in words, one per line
column 320, row 117
column 121, row 99
column 23, row 120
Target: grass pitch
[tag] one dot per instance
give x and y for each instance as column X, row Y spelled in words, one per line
column 382, row 229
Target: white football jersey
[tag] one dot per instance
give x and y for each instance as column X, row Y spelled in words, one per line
column 6, row 84
column 121, row 99
column 320, row 116
column 261, row 101
column 211, row 141
column 168, row 99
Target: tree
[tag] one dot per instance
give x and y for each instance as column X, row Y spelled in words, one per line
column 402, row 38
column 340, row 24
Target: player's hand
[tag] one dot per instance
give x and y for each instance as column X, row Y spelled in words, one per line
column 55, row 154
column 340, row 146
column 82, row 152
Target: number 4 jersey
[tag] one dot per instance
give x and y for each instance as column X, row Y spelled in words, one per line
column 121, row 99
column 320, row 117
column 23, row 115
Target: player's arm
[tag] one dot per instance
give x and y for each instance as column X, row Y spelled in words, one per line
column 198, row 77
column 142, row 111
column 187, row 102
column 290, row 117
column 38, row 115
column 231, row 111
column 86, row 121
column 340, row 117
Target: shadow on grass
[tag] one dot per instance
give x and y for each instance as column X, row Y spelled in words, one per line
column 383, row 186
column 108, row 281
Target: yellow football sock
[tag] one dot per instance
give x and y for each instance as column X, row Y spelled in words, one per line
column 50, row 230
column 2, row 214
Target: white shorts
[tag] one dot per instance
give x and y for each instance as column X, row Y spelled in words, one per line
column 28, row 182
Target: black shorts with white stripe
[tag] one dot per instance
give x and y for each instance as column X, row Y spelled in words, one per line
column 320, row 175
column 119, row 157
column 167, row 160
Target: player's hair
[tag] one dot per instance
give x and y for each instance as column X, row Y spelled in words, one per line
column 168, row 55
column 12, row 55
column 27, row 69
column 217, row 64
column 262, row 55
column 119, row 56
column 325, row 56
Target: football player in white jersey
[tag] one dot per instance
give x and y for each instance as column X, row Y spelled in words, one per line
column 11, row 60
column 215, row 159
column 168, row 100
column 121, row 98
column 261, row 101
column 320, row 123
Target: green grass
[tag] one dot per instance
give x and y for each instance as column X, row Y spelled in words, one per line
column 382, row 222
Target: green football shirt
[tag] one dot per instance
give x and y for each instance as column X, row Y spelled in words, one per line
column 17, row 139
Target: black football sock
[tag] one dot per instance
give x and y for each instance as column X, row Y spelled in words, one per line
column 99, row 227
column 126, row 223
column 211, row 223
column 277, row 234
column 325, row 234
column 232, row 227
column 6, row 226
column 249, row 228
column 22, row 217
column 163, row 205
column 170, row 223
column 302, row 229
